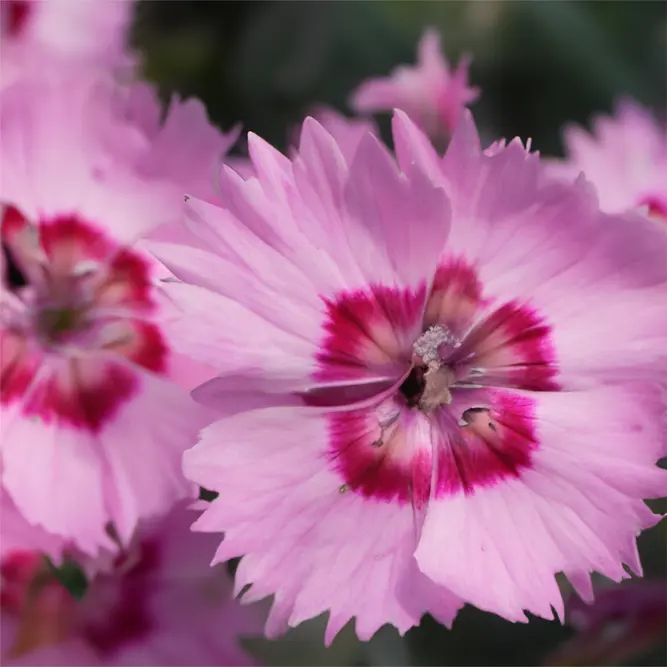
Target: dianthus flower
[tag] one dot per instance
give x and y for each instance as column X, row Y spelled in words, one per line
column 438, row 378
column 156, row 602
column 430, row 92
column 93, row 421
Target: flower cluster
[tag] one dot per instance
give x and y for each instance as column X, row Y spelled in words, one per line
column 96, row 412
column 415, row 380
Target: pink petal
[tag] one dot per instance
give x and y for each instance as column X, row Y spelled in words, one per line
column 129, row 469
column 186, row 148
column 581, row 504
column 67, row 34
column 413, row 147
column 317, row 549
column 407, row 220
column 47, row 470
column 143, row 450
column 227, row 336
column 625, row 157
column 20, row 535
column 82, row 29
column 584, row 269
column 347, row 132
column 40, row 123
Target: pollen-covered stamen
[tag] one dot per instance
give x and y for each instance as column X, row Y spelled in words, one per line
column 428, row 385
column 433, row 345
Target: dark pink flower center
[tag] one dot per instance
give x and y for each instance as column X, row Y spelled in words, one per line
column 117, row 609
column 657, row 207
column 74, row 321
column 15, row 15
column 451, row 420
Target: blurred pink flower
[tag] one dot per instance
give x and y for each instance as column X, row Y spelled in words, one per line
column 625, row 158
column 413, row 364
column 93, row 423
column 159, row 603
column 430, row 92
column 35, row 34
column 624, row 622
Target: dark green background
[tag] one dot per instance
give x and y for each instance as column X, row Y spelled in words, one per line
column 539, row 64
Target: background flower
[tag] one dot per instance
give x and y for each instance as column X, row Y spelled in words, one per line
column 158, row 603
column 68, row 33
column 625, row 157
column 624, row 623
column 90, row 396
column 431, row 93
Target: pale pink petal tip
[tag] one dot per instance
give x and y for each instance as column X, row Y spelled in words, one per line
column 347, row 131
column 430, row 92
column 17, row 534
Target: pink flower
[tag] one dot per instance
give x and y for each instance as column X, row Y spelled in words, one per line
column 93, row 423
column 430, row 92
column 625, row 158
column 624, row 623
column 38, row 33
column 159, row 603
column 434, row 381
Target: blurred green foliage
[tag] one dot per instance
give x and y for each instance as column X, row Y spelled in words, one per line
column 539, row 64
column 70, row 575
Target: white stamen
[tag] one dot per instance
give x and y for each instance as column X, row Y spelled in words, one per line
column 427, row 346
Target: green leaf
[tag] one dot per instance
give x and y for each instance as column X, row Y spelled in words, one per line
column 71, row 576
